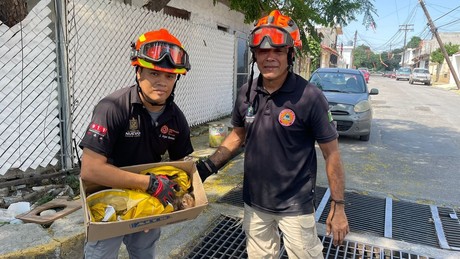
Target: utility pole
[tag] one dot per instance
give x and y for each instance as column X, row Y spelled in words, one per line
column 405, row 28
column 434, row 30
column 353, row 50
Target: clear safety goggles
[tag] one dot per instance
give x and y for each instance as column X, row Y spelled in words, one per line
column 276, row 37
column 158, row 50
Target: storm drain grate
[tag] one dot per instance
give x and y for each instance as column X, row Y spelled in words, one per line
column 364, row 213
column 413, row 222
column 320, row 191
column 451, row 226
column 227, row 240
column 398, row 220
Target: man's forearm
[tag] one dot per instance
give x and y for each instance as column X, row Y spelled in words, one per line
column 221, row 156
column 228, row 149
column 336, row 177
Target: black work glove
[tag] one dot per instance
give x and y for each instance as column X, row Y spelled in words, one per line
column 205, row 168
column 162, row 188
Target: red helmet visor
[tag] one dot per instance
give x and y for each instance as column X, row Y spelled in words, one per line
column 277, row 37
column 158, row 50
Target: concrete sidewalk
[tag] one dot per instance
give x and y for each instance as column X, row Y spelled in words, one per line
column 448, row 87
column 65, row 237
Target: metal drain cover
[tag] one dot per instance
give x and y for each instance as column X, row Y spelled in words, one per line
column 399, row 220
column 227, row 240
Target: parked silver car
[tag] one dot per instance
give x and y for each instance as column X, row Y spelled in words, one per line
column 349, row 99
column 403, row 73
column 421, row 75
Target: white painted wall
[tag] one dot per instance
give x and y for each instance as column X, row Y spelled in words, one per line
column 455, row 60
column 408, row 56
column 346, row 57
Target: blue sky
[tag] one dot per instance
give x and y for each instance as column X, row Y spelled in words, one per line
column 393, row 13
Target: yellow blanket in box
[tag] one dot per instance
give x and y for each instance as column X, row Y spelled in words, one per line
column 122, row 204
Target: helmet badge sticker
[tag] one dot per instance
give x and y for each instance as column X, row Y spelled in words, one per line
column 286, row 117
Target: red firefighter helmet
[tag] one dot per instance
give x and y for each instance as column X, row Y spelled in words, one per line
column 275, row 30
column 160, row 50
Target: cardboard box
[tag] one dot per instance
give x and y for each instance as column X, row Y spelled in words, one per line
column 103, row 230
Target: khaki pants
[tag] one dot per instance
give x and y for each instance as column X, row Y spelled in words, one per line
column 263, row 237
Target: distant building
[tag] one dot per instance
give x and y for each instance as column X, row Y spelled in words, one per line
column 345, row 56
column 407, row 57
column 421, row 55
column 446, row 37
column 444, row 72
column 329, row 53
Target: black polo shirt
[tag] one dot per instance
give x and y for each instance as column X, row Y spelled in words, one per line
column 121, row 129
column 280, row 158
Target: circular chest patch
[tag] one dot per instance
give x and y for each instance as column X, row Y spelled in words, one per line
column 286, row 117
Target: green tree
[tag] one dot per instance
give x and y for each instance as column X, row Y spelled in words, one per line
column 390, row 59
column 315, row 53
column 414, row 42
column 364, row 57
column 309, row 13
column 437, row 56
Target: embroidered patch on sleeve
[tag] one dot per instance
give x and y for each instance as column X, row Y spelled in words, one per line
column 329, row 116
column 97, row 130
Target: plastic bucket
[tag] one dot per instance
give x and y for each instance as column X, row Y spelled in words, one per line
column 217, row 134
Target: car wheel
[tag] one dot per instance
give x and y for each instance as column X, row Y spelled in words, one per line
column 411, row 82
column 365, row 137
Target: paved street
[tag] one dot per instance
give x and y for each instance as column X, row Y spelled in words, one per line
column 414, row 150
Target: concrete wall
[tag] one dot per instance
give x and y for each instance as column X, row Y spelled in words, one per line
column 446, row 37
column 345, row 59
column 456, row 64
column 204, row 12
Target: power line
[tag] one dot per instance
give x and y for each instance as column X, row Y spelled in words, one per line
column 454, row 21
column 446, row 13
column 405, row 28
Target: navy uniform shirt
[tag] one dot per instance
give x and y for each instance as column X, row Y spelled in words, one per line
column 121, row 129
column 280, row 158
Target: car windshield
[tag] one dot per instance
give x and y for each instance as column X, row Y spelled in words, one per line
column 339, row 82
column 404, row 70
column 422, row 71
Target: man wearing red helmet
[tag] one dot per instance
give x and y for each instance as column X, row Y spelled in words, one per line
column 279, row 117
column 137, row 125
